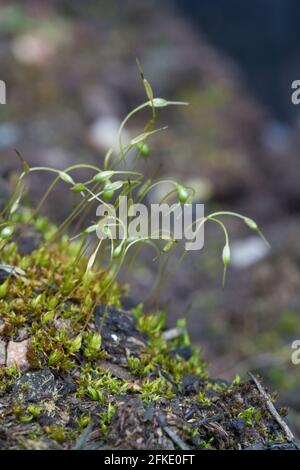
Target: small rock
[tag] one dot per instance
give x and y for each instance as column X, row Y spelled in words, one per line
column 62, row 323
column 24, row 333
column 2, row 353
column 116, row 370
column 130, row 341
column 9, row 135
column 35, row 386
column 28, row 240
column 183, row 351
column 247, row 252
column 17, row 354
column 104, row 133
column 239, row 425
column 3, row 276
column 32, row 49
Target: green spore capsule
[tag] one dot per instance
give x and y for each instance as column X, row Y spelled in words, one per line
column 226, row 255
column 182, row 193
column 143, row 149
column 103, row 176
column 117, row 251
column 78, row 188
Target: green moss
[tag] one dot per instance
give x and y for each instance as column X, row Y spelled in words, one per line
column 251, row 415
column 155, row 389
column 160, row 353
column 56, row 432
column 208, row 444
column 92, row 345
column 106, row 418
column 12, row 372
column 63, row 338
column 26, row 415
column 202, row 399
column 54, row 302
column 83, row 421
column 34, row 410
column 139, row 365
column 96, row 384
column 151, row 324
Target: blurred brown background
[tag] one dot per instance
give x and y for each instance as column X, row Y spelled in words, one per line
column 71, row 76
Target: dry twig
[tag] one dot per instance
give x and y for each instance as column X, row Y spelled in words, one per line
column 172, row 434
column 289, row 435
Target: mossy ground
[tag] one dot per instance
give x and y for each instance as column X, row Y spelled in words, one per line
column 99, row 376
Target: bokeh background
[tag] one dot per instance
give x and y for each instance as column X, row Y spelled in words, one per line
column 71, row 76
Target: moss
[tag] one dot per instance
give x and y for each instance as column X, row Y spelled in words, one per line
column 97, row 384
column 202, row 399
column 34, row 410
column 83, row 421
column 158, row 354
column 53, row 304
column 251, row 415
column 207, row 444
column 155, row 389
column 26, row 414
column 92, row 345
column 56, row 432
column 106, row 418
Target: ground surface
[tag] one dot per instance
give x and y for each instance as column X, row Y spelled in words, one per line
column 73, row 377
column 48, row 409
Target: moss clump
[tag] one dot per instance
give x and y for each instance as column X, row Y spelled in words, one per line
column 251, row 415
column 90, row 364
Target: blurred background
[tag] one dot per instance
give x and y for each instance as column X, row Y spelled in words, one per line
column 71, row 76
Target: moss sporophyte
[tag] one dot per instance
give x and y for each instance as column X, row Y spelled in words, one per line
column 49, row 297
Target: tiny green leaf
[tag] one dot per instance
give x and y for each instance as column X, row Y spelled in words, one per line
column 54, row 358
column 26, row 167
column 145, row 135
column 3, row 289
column 75, row 344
